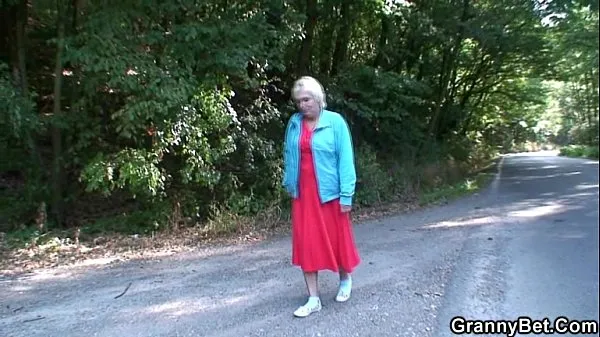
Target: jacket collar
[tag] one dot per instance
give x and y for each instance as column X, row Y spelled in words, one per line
column 325, row 119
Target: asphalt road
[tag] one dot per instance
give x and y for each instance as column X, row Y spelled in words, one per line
column 526, row 246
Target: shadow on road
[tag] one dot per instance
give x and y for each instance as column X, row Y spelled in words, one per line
column 528, row 191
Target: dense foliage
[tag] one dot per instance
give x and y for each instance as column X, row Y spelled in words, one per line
column 174, row 111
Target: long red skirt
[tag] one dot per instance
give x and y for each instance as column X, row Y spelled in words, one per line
column 322, row 237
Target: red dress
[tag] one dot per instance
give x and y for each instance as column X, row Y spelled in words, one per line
column 322, row 237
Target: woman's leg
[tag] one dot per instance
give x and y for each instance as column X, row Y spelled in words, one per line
column 314, row 302
column 345, row 286
column 344, row 275
column 312, row 283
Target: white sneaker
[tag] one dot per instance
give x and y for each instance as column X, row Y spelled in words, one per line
column 343, row 294
column 308, row 308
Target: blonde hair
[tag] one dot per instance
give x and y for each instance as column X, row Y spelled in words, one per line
column 313, row 87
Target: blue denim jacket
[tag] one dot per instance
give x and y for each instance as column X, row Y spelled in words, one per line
column 333, row 156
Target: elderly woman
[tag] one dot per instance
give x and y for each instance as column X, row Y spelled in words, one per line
column 320, row 176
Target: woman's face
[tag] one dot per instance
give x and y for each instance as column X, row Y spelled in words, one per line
column 307, row 105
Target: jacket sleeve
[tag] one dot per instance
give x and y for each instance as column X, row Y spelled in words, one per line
column 284, row 181
column 346, row 169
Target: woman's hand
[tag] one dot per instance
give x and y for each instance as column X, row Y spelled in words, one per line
column 346, row 208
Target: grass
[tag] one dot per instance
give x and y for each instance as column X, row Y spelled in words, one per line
column 449, row 192
column 580, row 151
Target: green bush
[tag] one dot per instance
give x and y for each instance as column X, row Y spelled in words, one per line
column 584, row 151
column 374, row 185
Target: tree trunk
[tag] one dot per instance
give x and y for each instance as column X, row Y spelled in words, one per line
column 442, row 89
column 57, row 169
column 380, row 59
column 309, row 31
column 14, row 21
column 448, row 68
column 13, row 47
column 327, row 35
column 340, row 54
column 21, row 49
